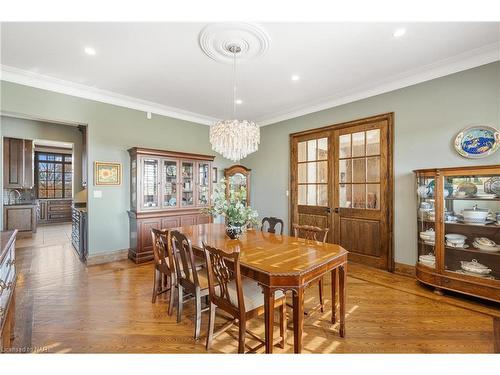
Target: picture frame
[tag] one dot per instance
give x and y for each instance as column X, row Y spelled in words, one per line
column 214, row 175
column 107, row 173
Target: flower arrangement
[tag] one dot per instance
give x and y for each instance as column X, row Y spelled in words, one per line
column 233, row 208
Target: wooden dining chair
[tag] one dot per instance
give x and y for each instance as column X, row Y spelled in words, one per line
column 313, row 233
column 164, row 268
column 272, row 222
column 239, row 296
column 191, row 277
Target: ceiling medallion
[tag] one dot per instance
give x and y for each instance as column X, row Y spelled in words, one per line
column 234, row 139
column 215, row 40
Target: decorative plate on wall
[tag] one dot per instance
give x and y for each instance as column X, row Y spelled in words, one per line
column 477, row 141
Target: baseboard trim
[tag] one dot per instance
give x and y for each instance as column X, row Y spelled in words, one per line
column 107, row 257
column 404, row 269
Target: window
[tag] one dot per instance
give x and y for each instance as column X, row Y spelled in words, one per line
column 53, row 175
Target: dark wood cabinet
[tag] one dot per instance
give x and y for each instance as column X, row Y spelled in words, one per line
column 17, row 163
column 167, row 189
column 53, row 210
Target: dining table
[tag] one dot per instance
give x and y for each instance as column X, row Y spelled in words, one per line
column 280, row 262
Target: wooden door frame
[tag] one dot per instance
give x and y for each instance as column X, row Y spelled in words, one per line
column 389, row 117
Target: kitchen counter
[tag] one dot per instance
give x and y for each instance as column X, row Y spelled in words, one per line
column 27, row 204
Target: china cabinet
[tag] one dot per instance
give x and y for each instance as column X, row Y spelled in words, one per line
column 167, row 189
column 458, row 219
column 236, row 177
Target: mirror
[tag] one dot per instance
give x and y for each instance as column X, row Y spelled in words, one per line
column 236, row 177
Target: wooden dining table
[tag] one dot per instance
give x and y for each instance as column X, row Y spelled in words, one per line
column 280, row 262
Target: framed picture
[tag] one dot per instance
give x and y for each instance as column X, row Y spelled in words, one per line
column 106, row 173
column 214, row 175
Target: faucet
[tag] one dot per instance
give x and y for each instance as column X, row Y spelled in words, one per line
column 18, row 195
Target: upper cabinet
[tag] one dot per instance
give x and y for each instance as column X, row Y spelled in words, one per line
column 236, row 177
column 17, row 163
column 83, row 130
column 166, row 180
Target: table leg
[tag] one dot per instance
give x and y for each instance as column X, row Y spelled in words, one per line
column 298, row 319
column 342, row 286
column 334, row 295
column 268, row 317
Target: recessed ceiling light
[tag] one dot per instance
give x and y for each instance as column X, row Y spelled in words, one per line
column 89, row 51
column 295, row 77
column 238, row 101
column 398, row 33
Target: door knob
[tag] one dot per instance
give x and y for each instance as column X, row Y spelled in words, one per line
column 337, row 210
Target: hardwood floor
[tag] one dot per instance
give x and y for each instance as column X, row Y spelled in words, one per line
column 64, row 307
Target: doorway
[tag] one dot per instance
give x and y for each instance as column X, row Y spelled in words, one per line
column 342, row 179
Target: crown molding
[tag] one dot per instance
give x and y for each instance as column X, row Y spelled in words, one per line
column 468, row 60
column 27, row 78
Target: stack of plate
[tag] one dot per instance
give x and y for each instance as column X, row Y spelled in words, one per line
column 485, row 244
column 428, row 236
column 427, row 260
column 455, row 240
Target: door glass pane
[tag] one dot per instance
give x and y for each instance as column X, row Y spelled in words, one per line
column 358, row 144
column 150, row 183
column 203, row 181
column 311, row 150
column 187, row 184
column 359, row 196
column 358, row 170
column 373, row 196
column 373, row 142
column 373, row 169
column 323, row 149
column 345, row 170
column 302, row 149
column 345, row 196
column 302, row 195
column 345, row 146
column 170, row 188
column 302, row 175
column 311, row 172
column 322, row 172
column 311, row 195
column 322, row 195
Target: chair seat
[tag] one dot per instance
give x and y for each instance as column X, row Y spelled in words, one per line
column 252, row 293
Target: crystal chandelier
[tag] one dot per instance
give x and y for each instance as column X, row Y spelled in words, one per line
column 234, row 139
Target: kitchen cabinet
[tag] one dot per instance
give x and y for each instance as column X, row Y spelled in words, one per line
column 18, row 163
column 54, row 210
column 83, row 130
column 167, row 189
column 21, row 217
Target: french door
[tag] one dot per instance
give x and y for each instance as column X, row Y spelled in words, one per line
column 341, row 179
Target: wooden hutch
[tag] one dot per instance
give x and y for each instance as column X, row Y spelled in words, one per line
column 238, row 176
column 457, row 210
column 167, row 189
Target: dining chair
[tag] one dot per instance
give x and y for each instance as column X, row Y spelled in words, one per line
column 313, row 233
column 164, row 268
column 191, row 277
column 238, row 296
column 272, row 222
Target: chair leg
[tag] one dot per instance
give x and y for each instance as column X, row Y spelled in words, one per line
column 211, row 324
column 171, row 297
column 179, row 302
column 155, row 286
column 197, row 326
column 322, row 305
column 241, row 336
column 283, row 324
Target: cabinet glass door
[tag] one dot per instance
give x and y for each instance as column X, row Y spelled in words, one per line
column 426, row 219
column 188, row 183
column 472, row 225
column 203, row 193
column 170, row 184
column 151, row 182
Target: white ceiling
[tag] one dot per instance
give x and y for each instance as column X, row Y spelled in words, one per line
column 160, row 66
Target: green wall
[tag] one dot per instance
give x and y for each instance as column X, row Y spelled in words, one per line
column 111, row 131
column 427, row 118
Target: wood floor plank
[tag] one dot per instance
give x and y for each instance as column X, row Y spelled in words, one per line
column 65, row 307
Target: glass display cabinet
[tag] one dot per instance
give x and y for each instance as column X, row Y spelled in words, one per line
column 236, row 177
column 167, row 189
column 458, row 220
